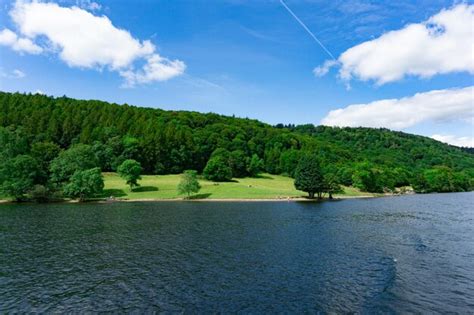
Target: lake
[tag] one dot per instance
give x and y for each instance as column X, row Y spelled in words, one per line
column 407, row 254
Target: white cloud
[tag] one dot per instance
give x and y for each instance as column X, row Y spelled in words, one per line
column 14, row 74
column 157, row 68
column 20, row 44
column 18, row 74
column 442, row 44
column 457, row 141
column 324, row 69
column 84, row 40
column 438, row 105
column 39, row 92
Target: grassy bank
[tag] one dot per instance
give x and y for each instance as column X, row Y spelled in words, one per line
column 165, row 187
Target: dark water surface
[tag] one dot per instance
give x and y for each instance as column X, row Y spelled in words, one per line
column 388, row 255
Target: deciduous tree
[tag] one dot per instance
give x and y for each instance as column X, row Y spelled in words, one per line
column 130, row 170
column 189, row 183
column 85, row 184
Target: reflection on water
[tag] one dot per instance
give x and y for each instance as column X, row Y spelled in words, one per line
column 390, row 255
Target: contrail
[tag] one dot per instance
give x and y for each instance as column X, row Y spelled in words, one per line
column 307, row 29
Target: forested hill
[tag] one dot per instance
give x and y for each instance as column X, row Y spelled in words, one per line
column 173, row 141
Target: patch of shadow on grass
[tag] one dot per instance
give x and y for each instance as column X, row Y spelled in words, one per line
column 226, row 181
column 145, row 189
column 114, row 193
column 199, row 196
column 264, row 177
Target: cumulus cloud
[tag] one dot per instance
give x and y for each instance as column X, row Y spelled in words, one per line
column 157, row 68
column 20, row 44
column 438, row 105
column 457, row 141
column 82, row 39
column 442, row 44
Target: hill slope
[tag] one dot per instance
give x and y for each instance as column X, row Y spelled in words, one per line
column 172, row 141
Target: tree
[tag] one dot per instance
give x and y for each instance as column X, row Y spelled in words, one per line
column 440, row 179
column 309, row 177
column 289, row 161
column 18, row 175
column 85, row 184
column 189, row 183
column 130, row 170
column 44, row 153
column 345, row 175
column 255, row 166
column 365, row 178
column 217, row 170
column 13, row 141
column 79, row 157
column 238, row 162
column 331, row 183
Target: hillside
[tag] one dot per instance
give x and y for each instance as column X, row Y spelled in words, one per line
column 169, row 142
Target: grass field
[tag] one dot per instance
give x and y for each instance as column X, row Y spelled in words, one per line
column 165, row 187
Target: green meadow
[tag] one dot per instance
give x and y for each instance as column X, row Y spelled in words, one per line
column 165, row 187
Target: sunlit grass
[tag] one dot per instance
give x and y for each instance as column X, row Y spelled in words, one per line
column 165, row 187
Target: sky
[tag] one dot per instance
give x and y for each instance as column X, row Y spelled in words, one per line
column 402, row 65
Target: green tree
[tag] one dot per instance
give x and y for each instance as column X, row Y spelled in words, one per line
column 255, row 166
column 217, row 169
column 13, row 142
column 289, row 161
column 309, row 176
column 85, row 184
column 18, row 175
column 189, row 183
column 238, row 162
column 418, row 182
column 44, row 153
column 130, row 170
column 331, row 184
column 439, row 179
column 462, row 182
column 77, row 158
column 365, row 178
column 345, row 175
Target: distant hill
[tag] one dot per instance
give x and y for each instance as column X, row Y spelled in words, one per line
column 173, row 141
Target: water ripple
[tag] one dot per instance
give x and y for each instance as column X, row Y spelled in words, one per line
column 412, row 254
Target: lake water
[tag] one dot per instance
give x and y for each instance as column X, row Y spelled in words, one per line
column 407, row 254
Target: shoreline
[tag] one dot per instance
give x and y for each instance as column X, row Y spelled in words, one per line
column 119, row 200
column 242, row 199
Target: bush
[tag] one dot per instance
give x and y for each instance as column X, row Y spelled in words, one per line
column 39, row 193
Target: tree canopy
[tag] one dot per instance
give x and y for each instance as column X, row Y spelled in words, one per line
column 189, row 183
column 218, row 169
column 309, row 176
column 130, row 170
column 85, row 184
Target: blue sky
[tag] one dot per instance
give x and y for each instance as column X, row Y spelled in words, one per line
column 253, row 59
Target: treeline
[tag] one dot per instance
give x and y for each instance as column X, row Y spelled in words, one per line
column 41, row 128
